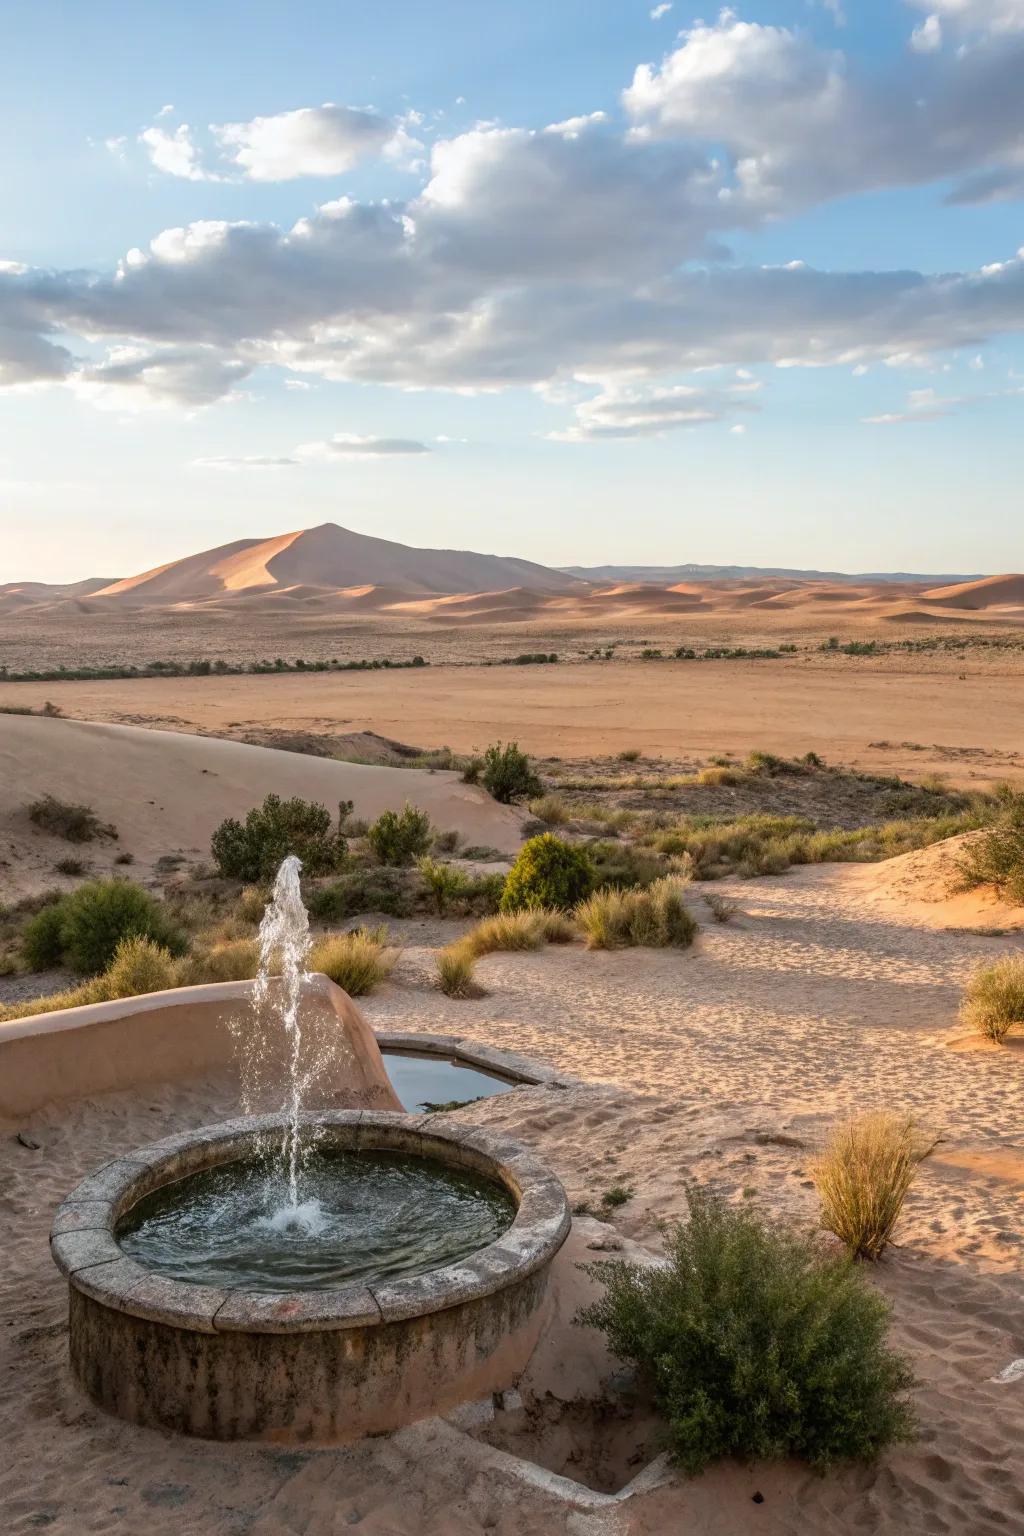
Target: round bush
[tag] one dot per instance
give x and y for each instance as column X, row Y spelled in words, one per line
column 103, row 912
column 548, row 873
column 255, row 849
column 42, row 942
column 756, row 1344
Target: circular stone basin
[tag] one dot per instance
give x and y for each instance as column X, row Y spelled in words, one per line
column 411, row 1278
column 365, row 1216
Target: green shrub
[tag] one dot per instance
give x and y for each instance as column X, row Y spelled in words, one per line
column 254, row 851
column 655, row 918
column 42, row 942
column 400, row 838
column 996, row 855
column 755, row 1343
column 356, row 962
column 993, row 1000
column 101, row 913
column 548, row 873
column 622, row 866
column 455, row 967
column 361, row 890
column 506, row 774
column 77, row 823
column 445, row 884
column 863, row 1177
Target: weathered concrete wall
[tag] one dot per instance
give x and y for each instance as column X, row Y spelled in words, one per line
column 305, row 1366
column 184, row 1032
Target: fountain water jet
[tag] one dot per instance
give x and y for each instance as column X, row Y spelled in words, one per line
column 284, row 937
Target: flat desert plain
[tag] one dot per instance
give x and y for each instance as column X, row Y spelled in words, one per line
column 962, row 718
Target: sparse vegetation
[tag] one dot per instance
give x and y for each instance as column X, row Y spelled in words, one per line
column 863, row 1177
column 83, row 929
column 993, row 1001
column 253, row 850
column 655, row 917
column 506, row 931
column 456, row 964
column 506, row 774
column 996, row 855
column 755, row 1343
column 445, row 884
column 70, row 867
column 389, row 891
column 399, row 838
column 63, row 818
column 550, row 809
column 357, row 962
column 548, row 873
column 224, row 960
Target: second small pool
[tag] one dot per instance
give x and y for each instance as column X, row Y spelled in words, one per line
column 422, row 1080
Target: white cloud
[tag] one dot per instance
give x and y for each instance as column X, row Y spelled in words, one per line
column 928, row 36
column 311, row 141
column 246, row 461
column 922, row 405
column 132, row 378
column 346, row 445
column 984, row 16
column 625, row 410
column 175, row 153
column 661, row 10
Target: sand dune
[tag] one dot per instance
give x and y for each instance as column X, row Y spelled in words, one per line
column 989, row 592
column 166, row 792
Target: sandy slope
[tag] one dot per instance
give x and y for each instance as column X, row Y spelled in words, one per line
column 970, row 727
column 166, row 792
column 724, row 1064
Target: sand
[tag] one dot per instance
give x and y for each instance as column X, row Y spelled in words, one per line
column 166, row 792
column 724, row 1064
column 966, row 724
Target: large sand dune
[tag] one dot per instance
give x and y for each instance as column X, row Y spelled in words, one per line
column 166, row 792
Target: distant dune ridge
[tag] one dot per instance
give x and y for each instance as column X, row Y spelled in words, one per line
column 332, row 570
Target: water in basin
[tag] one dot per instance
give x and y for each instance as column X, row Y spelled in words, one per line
column 362, row 1217
column 426, row 1080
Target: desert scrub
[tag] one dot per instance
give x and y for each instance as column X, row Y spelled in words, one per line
column 863, row 1176
column 756, row 1344
column 138, row 966
column 622, row 865
column 996, row 856
column 506, row 931
column 655, row 918
column 252, row 903
column 506, row 774
column 993, row 1001
column 455, row 966
column 399, row 838
column 82, row 930
column 362, row 890
column 555, row 927
column 551, row 809
column 230, row 960
column 548, row 873
column 254, row 850
column 356, row 962
column 445, row 884
column 76, row 823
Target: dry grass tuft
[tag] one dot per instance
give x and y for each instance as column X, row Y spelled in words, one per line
column 551, row 809
column 455, row 967
column 654, row 918
column 506, row 931
column 863, row 1175
column 357, row 962
column 993, row 1000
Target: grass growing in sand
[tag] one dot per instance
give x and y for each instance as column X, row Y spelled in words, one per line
column 455, row 967
column 357, row 962
column 63, row 818
column 993, row 1002
column 996, row 857
column 863, row 1177
column 654, row 918
column 756, row 1344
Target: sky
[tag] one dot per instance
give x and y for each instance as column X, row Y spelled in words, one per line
column 588, row 281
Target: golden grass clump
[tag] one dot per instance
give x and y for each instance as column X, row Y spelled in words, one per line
column 233, row 960
column 455, row 966
column 863, row 1175
column 993, row 1001
column 252, row 903
column 555, row 927
column 654, row 917
column 506, row 931
column 139, row 966
column 551, row 809
column 357, row 961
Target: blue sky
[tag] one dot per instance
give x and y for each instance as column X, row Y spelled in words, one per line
column 462, row 275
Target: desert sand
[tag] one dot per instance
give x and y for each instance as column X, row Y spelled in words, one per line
column 166, row 792
column 723, row 1064
column 966, row 722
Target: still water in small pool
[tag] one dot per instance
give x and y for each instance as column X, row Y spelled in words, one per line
column 420, row 1080
column 361, row 1216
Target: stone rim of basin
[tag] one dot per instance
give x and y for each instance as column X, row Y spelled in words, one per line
column 85, row 1248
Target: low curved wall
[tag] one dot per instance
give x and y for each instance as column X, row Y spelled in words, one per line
column 305, row 1366
column 163, row 1036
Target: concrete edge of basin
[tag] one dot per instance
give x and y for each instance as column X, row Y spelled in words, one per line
column 85, row 1248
